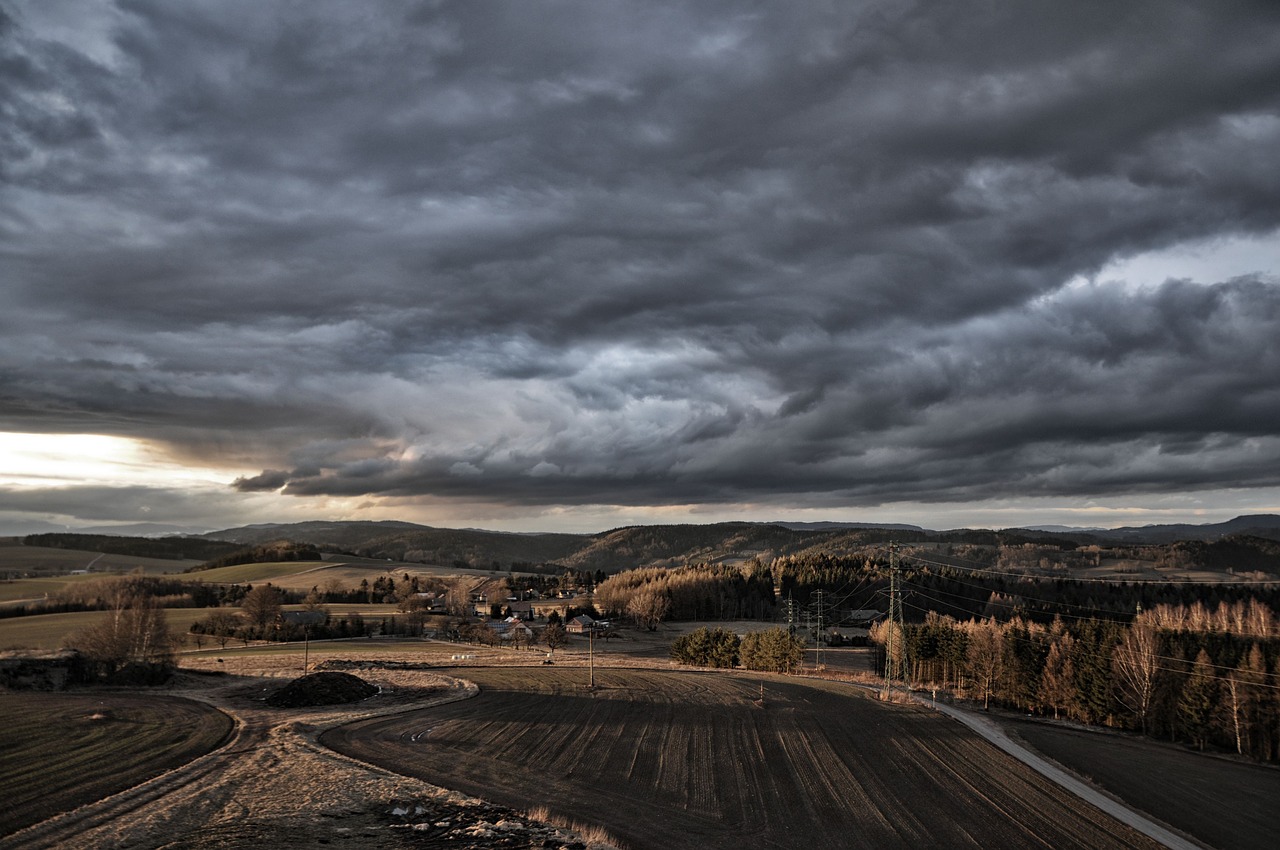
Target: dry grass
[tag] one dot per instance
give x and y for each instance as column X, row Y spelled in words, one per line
column 594, row 836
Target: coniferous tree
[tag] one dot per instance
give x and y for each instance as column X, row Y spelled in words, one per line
column 1091, row 663
column 1196, row 701
column 1057, row 685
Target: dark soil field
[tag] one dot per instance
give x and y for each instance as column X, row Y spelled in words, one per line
column 1223, row 802
column 58, row 751
column 688, row 760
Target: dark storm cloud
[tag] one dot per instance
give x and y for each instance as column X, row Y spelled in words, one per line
column 115, row 504
column 662, row 253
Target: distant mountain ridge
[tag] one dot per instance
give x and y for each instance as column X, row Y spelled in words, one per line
column 643, row 545
column 673, row 545
column 1254, row 525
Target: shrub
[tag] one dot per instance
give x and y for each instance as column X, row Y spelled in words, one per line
column 774, row 651
column 707, row 648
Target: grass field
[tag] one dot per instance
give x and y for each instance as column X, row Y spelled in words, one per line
column 254, row 573
column 46, row 631
column 63, row 750
column 689, row 760
column 18, row 560
column 38, row 588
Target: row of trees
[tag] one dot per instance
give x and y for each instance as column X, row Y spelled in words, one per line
column 700, row 592
column 166, row 548
column 747, row 591
column 774, row 650
column 1218, row 688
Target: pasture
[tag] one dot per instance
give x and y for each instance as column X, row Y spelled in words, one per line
column 63, row 750
column 17, row 561
column 46, row 631
column 690, row 760
column 257, row 573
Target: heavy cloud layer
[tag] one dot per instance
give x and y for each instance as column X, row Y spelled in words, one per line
column 605, row 253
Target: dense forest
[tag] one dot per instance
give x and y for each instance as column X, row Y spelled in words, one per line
column 1207, row 677
column 268, row 553
column 167, row 548
column 1181, row 660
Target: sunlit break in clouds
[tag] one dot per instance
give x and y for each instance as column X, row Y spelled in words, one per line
column 576, row 265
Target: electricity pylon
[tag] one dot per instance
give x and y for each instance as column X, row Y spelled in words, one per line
column 895, row 638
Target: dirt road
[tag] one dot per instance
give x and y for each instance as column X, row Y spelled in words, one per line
column 274, row 786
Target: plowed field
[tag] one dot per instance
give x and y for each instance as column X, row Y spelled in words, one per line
column 1223, row 802
column 689, row 760
column 58, row 751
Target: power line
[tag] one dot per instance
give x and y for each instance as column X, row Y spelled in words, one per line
column 1097, row 656
column 895, row 655
column 1082, row 579
column 1058, row 604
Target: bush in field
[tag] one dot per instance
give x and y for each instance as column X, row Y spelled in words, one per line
column 134, row 636
column 707, row 648
column 774, row 651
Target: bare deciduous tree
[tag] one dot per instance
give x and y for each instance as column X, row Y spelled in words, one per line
column 985, row 658
column 1136, row 662
column 555, row 636
column 1240, row 697
column 649, row 607
column 134, row 632
column 261, row 606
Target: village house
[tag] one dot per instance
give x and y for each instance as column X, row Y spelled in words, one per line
column 512, row 630
column 580, row 625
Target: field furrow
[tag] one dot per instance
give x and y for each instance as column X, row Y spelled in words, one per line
column 681, row 760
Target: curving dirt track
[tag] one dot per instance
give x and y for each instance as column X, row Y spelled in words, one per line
column 274, row 786
column 60, row 751
column 689, row 760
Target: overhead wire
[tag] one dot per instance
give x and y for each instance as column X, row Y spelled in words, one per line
column 1175, row 660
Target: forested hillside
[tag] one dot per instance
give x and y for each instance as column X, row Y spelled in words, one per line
column 171, row 548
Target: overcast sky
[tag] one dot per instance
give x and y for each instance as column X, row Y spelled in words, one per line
column 551, row 265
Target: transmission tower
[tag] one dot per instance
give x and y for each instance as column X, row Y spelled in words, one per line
column 896, row 635
column 818, row 658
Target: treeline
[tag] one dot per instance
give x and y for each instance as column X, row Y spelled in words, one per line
column 549, row 579
column 934, row 582
column 947, row 585
column 269, row 553
column 166, row 548
column 224, row 627
column 106, row 593
column 1218, row 685
column 700, row 592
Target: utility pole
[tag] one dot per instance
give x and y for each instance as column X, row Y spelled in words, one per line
column 818, row 656
column 896, row 636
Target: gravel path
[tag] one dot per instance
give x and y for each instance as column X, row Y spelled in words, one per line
column 989, row 730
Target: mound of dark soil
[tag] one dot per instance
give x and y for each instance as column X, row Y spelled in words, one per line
column 322, row 689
